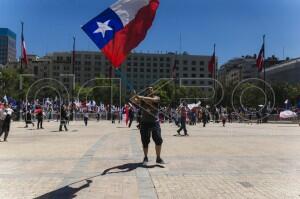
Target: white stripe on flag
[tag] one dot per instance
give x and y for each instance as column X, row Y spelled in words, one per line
column 127, row 9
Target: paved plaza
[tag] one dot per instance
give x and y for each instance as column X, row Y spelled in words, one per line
column 103, row 161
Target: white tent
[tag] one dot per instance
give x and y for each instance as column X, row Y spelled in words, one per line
column 288, row 114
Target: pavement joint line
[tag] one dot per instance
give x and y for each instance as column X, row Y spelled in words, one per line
column 83, row 161
column 146, row 188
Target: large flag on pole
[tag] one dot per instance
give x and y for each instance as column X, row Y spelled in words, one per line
column 121, row 28
column 260, row 58
column 212, row 62
column 23, row 46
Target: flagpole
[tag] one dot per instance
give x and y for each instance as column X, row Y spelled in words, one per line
column 73, row 66
column 74, row 78
column 174, row 69
column 214, row 72
column 21, row 70
column 264, row 65
column 111, row 92
column 22, row 25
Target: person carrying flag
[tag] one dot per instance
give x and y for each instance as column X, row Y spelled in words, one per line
column 149, row 123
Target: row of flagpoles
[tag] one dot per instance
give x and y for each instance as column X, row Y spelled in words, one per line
column 211, row 65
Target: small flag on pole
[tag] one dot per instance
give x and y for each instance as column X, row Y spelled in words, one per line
column 260, row 58
column 121, row 28
column 212, row 62
column 24, row 52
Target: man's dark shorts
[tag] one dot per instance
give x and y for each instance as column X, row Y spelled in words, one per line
column 146, row 130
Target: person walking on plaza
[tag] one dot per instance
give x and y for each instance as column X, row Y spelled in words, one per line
column 98, row 115
column 130, row 116
column 204, row 117
column 2, row 117
column 113, row 114
column 138, row 118
column 49, row 113
column 28, row 119
column 258, row 117
column 150, row 123
column 63, row 118
column 183, row 116
column 7, row 114
column 223, row 118
column 86, row 118
column 39, row 117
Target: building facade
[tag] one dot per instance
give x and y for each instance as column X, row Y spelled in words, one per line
column 286, row 72
column 238, row 69
column 7, row 46
column 138, row 71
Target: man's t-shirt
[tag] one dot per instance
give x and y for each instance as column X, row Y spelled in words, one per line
column 149, row 112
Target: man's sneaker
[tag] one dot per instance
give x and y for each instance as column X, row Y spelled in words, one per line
column 160, row 161
column 178, row 132
column 145, row 161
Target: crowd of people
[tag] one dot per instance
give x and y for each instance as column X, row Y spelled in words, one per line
column 183, row 115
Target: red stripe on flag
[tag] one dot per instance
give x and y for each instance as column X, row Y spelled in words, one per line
column 131, row 35
column 24, row 53
column 260, row 58
column 211, row 64
column 259, row 63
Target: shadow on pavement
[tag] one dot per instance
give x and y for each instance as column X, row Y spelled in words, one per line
column 65, row 192
column 129, row 167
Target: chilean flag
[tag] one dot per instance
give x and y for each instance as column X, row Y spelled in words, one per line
column 212, row 62
column 260, row 58
column 24, row 53
column 120, row 28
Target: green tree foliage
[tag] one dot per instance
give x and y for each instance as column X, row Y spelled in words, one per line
column 169, row 92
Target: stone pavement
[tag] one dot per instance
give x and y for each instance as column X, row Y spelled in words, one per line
column 103, row 161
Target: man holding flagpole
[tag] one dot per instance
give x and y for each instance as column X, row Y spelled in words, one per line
column 121, row 27
column 118, row 30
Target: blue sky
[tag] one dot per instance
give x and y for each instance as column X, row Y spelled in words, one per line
column 236, row 26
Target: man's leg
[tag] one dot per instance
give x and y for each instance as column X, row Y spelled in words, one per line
column 130, row 122
column 145, row 151
column 1, row 132
column 184, row 128
column 156, row 136
column 145, row 137
column 181, row 127
column 60, row 126
column 6, row 135
column 1, row 124
column 158, row 151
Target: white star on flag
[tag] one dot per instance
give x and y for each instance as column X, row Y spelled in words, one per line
column 103, row 27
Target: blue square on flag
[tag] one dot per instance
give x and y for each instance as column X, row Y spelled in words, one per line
column 103, row 27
